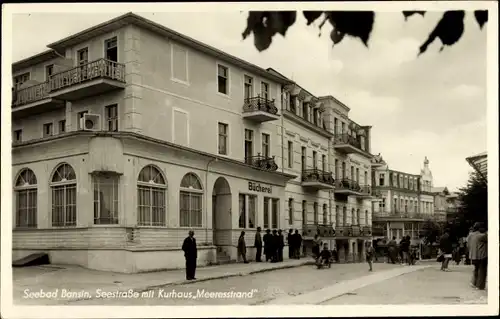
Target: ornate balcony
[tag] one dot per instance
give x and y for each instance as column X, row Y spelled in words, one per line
column 32, row 100
column 344, row 231
column 348, row 187
column 86, row 80
column 262, row 162
column 323, row 230
column 366, row 231
column 348, row 144
column 259, row 109
column 317, row 179
column 398, row 216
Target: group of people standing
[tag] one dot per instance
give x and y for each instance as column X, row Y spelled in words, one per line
column 402, row 252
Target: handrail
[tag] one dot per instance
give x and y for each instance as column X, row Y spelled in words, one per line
column 30, row 94
column 314, row 174
column 259, row 103
column 262, row 162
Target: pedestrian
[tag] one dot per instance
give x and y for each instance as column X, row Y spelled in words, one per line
column 281, row 245
column 446, row 247
column 298, row 243
column 370, row 253
column 267, row 239
column 258, row 245
column 291, row 244
column 242, row 247
column 316, row 246
column 405, row 249
column 191, row 254
column 478, row 250
column 274, row 246
column 392, row 250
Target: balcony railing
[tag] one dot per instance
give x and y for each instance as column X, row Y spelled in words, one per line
column 262, row 162
column 344, row 231
column 258, row 103
column 323, row 230
column 400, row 214
column 366, row 231
column 101, row 68
column 30, row 94
column 317, row 175
column 348, row 185
column 346, row 139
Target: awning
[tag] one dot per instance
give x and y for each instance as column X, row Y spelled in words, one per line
column 480, row 164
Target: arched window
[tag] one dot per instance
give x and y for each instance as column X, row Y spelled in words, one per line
column 191, row 201
column 358, row 217
column 366, row 218
column 151, row 194
column 63, row 185
column 26, row 199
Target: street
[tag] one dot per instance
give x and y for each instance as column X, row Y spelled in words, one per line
column 339, row 285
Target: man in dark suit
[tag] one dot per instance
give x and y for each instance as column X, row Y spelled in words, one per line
column 268, row 244
column 258, row 245
column 478, row 250
column 191, row 254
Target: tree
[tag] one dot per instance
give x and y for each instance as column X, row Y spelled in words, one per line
column 473, row 207
column 431, row 231
column 266, row 24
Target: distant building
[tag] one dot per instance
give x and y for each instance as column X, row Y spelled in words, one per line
column 453, row 205
column 440, row 203
column 405, row 202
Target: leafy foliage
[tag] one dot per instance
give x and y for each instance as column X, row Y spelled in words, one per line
column 474, row 205
column 431, row 231
column 359, row 24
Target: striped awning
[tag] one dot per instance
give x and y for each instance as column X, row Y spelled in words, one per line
column 480, row 164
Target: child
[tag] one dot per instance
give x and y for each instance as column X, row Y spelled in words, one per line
column 369, row 254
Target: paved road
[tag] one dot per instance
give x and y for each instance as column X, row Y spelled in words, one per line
column 428, row 286
column 267, row 286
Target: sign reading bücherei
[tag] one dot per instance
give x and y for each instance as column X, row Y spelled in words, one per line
column 256, row 187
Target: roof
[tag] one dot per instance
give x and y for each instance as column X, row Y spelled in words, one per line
column 439, row 190
column 35, row 59
column 134, row 19
column 480, row 163
column 336, row 100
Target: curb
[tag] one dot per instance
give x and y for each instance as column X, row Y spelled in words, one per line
column 187, row 282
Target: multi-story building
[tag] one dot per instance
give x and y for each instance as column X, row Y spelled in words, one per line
column 453, row 205
column 128, row 134
column 440, row 203
column 406, row 201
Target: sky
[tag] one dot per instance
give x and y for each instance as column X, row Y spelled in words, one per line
column 433, row 105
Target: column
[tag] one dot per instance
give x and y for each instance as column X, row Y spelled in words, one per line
column 350, row 253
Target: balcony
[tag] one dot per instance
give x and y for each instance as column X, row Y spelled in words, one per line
column 348, row 187
column 344, row 231
column 262, row 162
column 366, row 231
column 398, row 215
column 317, row 179
column 259, row 109
column 323, row 230
column 32, row 100
column 348, row 144
column 87, row 80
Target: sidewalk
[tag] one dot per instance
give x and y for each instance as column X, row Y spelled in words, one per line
column 77, row 279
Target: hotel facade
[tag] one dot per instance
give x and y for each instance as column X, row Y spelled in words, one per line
column 406, row 201
column 128, row 134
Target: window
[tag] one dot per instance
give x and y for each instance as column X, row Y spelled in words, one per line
column 304, row 212
column 357, row 175
column 358, row 217
column 353, row 217
column 191, row 199
column 411, row 183
column 105, row 199
column 21, row 79
column 80, row 117
column 112, row 117
column 401, row 204
column 382, row 204
column 337, row 169
column 223, row 136
column 266, row 212
column 222, row 79
column 18, row 136
column 62, row 126
column 248, row 146
column 180, row 68
column 82, row 56
column 406, row 206
column 343, row 128
column 337, row 216
column 315, row 117
column 252, row 210
column 344, row 172
column 151, row 194
column 395, row 204
column 264, row 90
column 111, row 46
column 26, row 199
column 305, row 111
column 323, row 163
column 275, row 213
column 290, row 211
column 63, row 186
column 49, row 70
column 344, row 216
column 365, row 182
column 336, row 128
column 367, row 223
column 242, row 211
column 304, row 158
column 352, row 173
column 325, row 214
column 315, row 159
column 293, row 105
column 266, row 145
column 290, row 154
column 381, row 179
column 315, row 213
column 47, row 129
column 248, row 87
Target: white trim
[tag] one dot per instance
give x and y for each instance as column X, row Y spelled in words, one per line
column 228, row 95
column 175, row 109
column 253, row 84
column 43, row 129
column 113, row 35
column 172, row 77
column 79, row 48
column 45, row 70
column 228, row 142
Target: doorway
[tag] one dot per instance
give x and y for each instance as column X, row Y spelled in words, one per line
column 222, row 218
